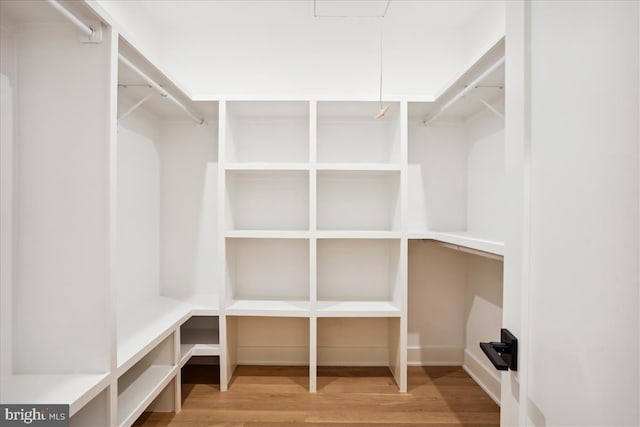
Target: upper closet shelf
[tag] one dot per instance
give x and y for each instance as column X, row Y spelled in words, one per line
column 463, row 240
column 480, row 87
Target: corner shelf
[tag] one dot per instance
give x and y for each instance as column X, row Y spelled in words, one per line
column 463, row 239
column 145, row 325
column 199, row 336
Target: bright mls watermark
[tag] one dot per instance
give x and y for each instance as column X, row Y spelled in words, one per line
column 34, row 415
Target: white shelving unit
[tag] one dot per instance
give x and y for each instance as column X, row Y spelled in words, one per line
column 144, row 381
column 312, row 194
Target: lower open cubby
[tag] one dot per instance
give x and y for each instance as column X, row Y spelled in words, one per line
column 93, row 414
column 149, row 384
column 271, row 341
column 199, row 336
column 359, row 343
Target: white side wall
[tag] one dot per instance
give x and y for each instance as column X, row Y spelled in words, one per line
column 60, row 226
column 138, row 216
column 584, row 106
column 188, row 181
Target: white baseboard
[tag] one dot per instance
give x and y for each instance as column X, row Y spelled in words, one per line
column 486, row 378
column 435, row 356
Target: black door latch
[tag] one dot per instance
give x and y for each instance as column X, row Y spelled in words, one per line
column 504, row 354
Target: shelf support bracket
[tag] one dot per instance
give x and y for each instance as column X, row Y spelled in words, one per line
column 489, row 106
column 135, row 107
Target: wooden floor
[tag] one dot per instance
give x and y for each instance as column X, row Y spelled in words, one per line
column 277, row 396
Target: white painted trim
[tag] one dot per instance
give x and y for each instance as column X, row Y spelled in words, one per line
column 434, row 356
column 486, row 379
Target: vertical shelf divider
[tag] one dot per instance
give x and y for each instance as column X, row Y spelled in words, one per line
column 225, row 376
column 313, row 263
column 404, row 243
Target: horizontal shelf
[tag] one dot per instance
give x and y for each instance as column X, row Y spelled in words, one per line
column 267, row 234
column 373, row 167
column 75, row 390
column 202, row 304
column 269, row 308
column 189, row 350
column 357, row 234
column 145, row 324
column 133, row 400
column 357, row 309
column 463, row 239
column 266, row 166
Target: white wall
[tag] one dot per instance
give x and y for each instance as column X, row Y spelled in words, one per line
column 584, row 106
column 486, row 175
column 8, row 86
column 138, row 215
column 60, row 226
column 277, row 48
column 188, row 181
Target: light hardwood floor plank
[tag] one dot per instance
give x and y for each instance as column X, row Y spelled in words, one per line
column 278, row 396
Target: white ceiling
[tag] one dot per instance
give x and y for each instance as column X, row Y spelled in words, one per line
column 190, row 14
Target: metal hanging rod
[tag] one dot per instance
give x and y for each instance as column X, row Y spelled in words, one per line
column 93, row 34
column 159, row 88
column 473, row 85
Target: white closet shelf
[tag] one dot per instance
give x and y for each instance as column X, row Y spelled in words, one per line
column 357, row 309
column 269, row 308
column 373, row 167
column 75, row 390
column 202, row 304
column 133, row 400
column 267, row 234
column 357, row 234
column 189, row 350
column 471, row 241
column 266, row 166
column 464, row 239
column 150, row 321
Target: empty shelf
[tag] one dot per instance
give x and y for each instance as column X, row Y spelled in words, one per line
column 135, row 398
column 357, row 309
column 471, row 241
column 268, row 308
column 75, row 390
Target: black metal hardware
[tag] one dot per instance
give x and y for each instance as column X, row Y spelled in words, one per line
column 504, row 354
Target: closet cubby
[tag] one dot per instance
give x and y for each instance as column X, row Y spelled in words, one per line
column 348, row 132
column 141, row 384
column 267, row 200
column 358, row 276
column 95, row 413
column 358, row 200
column 267, row 274
column 267, row 132
column 271, row 340
column 359, row 342
column 199, row 336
